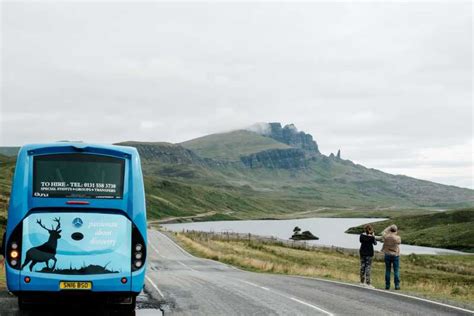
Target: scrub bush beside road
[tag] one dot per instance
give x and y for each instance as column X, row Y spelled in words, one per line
column 440, row 277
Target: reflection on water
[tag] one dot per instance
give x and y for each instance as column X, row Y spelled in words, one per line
column 329, row 230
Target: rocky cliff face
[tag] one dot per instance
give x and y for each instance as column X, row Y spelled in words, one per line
column 166, row 153
column 291, row 136
column 292, row 158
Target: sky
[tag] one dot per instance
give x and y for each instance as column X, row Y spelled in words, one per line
column 390, row 84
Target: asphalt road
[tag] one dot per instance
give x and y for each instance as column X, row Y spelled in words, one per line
column 187, row 285
column 181, row 284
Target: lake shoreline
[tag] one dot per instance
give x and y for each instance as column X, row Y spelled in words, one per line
column 331, row 231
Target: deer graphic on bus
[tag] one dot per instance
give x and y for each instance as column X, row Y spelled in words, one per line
column 47, row 251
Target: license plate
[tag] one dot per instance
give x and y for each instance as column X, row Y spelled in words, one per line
column 75, row 285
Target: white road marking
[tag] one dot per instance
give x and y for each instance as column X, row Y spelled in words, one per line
column 154, row 285
column 175, row 244
column 154, row 248
column 249, row 283
column 185, row 265
column 311, row 305
column 429, row 301
column 256, row 285
column 387, row 292
column 289, row 297
column 199, row 258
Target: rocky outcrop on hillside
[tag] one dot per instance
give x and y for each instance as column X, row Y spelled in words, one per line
column 292, row 158
column 291, row 136
column 166, row 153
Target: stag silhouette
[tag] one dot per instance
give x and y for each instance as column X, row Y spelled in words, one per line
column 46, row 251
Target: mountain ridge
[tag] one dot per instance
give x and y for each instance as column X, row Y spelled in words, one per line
column 248, row 174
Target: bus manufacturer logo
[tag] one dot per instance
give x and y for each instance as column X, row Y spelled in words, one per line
column 77, row 222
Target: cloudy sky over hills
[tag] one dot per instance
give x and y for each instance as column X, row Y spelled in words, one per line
column 389, row 84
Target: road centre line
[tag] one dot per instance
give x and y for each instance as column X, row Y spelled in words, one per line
column 154, row 248
column 185, row 265
column 311, row 305
column 289, row 297
column 154, row 285
column 256, row 285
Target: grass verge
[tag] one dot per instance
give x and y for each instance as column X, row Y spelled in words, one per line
column 450, row 229
column 442, row 277
column 3, row 284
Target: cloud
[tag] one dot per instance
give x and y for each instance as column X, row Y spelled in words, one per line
column 385, row 82
column 260, row 128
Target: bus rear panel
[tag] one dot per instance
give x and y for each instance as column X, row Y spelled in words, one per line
column 77, row 224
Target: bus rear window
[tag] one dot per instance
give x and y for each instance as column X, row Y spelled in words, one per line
column 78, row 176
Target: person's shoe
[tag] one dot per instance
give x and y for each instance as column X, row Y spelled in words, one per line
column 387, row 287
column 397, row 288
column 370, row 286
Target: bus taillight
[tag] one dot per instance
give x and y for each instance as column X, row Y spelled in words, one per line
column 138, row 249
column 13, row 247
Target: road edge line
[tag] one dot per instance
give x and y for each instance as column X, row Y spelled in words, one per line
column 277, row 292
column 154, row 286
column 385, row 291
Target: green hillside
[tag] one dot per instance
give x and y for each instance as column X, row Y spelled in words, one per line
column 451, row 229
column 244, row 175
column 189, row 189
column 9, row 151
column 7, row 167
column 231, row 145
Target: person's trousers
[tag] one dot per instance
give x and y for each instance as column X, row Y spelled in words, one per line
column 390, row 261
column 365, row 267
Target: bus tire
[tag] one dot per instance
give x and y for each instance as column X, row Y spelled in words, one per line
column 126, row 307
column 22, row 306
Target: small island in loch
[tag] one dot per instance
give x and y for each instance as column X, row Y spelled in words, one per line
column 306, row 235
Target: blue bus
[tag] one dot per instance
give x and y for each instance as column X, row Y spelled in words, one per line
column 76, row 225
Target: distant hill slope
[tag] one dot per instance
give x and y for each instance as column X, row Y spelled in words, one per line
column 9, row 151
column 244, row 174
column 7, row 166
column 164, row 152
column 451, row 229
column 232, row 145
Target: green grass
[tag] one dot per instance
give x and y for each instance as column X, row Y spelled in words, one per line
column 232, row 145
column 451, row 229
column 3, row 282
column 441, row 277
column 7, row 167
column 9, row 151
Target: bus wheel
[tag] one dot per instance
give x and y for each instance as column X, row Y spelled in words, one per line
column 22, row 306
column 123, row 309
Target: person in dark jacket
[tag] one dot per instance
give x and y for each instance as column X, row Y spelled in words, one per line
column 367, row 242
